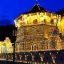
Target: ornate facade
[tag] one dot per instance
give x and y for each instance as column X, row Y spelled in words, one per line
column 38, row 32
column 38, row 38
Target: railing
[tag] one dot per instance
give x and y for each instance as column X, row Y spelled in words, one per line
column 34, row 57
column 6, row 56
column 42, row 46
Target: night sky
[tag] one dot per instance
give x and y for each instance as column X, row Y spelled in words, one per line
column 11, row 9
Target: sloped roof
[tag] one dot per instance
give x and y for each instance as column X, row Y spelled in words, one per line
column 36, row 8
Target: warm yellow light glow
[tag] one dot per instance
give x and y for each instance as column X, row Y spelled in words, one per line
column 62, row 26
column 47, row 19
column 8, row 45
column 59, row 46
column 59, row 26
column 1, row 46
column 28, row 19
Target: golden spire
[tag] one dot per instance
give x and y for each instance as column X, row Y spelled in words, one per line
column 37, row 4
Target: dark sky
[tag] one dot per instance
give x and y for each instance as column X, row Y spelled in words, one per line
column 11, row 9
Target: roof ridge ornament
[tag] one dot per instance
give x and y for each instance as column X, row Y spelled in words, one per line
column 36, row 0
column 37, row 4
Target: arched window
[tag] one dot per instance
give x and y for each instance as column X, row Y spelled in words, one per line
column 35, row 21
column 52, row 21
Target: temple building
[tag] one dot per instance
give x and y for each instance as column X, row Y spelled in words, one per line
column 36, row 38
column 38, row 30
